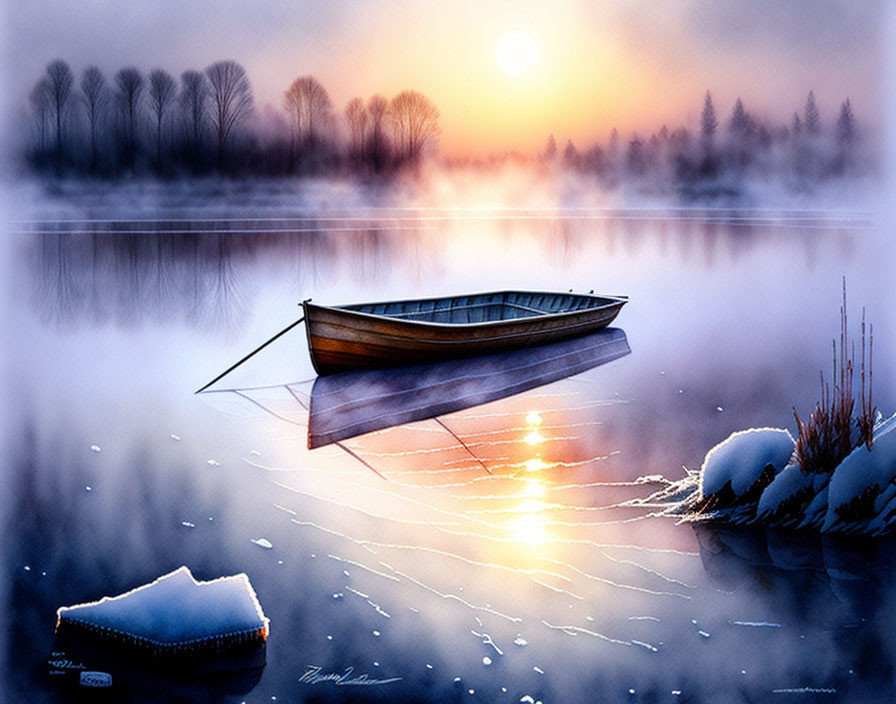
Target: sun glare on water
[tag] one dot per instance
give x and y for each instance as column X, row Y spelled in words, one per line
column 516, row 53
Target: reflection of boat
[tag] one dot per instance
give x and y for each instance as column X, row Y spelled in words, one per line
column 353, row 403
column 395, row 333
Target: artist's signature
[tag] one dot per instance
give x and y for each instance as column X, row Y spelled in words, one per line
column 342, row 679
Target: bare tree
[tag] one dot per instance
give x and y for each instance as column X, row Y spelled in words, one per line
column 59, row 87
column 129, row 91
column 378, row 108
column 194, row 95
column 231, row 102
column 357, row 117
column 162, row 90
column 40, row 104
column 95, row 97
column 416, row 122
column 309, row 105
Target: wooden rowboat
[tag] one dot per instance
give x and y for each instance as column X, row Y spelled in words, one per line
column 400, row 333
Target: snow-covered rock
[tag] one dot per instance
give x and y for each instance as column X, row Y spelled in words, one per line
column 787, row 487
column 743, row 460
column 860, row 485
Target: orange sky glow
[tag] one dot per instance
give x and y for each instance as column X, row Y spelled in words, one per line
column 630, row 64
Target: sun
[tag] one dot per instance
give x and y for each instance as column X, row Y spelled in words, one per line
column 516, row 52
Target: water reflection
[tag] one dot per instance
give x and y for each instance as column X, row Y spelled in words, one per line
column 530, row 527
column 207, row 271
column 553, row 567
column 824, row 588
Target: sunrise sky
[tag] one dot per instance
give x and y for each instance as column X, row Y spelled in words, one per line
column 633, row 64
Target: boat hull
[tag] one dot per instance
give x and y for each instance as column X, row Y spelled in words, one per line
column 357, row 337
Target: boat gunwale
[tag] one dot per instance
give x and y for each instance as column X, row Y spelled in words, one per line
column 612, row 301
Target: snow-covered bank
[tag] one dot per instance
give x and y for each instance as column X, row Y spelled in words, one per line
column 751, row 479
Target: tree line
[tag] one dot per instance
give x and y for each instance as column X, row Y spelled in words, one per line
column 207, row 122
column 717, row 157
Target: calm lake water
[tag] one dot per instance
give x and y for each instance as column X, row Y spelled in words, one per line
column 545, row 580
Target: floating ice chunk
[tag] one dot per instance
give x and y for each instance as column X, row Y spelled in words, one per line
column 27, row 568
column 174, row 615
column 376, row 633
column 174, row 437
column 263, row 543
column 742, row 458
column 719, row 409
column 527, row 699
column 486, row 660
column 213, row 463
column 187, row 524
column 88, row 488
column 538, row 670
column 95, row 448
column 520, row 642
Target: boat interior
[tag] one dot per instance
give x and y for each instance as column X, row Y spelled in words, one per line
column 483, row 308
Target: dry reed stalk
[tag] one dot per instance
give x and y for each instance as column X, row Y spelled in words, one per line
column 826, row 437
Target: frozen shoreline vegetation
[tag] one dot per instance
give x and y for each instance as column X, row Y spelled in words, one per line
column 837, row 476
column 748, row 479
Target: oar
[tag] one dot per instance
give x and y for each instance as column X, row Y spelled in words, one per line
column 253, row 352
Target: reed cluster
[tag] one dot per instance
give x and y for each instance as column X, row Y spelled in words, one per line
column 831, row 431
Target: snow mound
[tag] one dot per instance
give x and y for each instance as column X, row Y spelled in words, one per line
column 862, row 484
column 175, row 614
column 742, row 459
column 785, row 488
